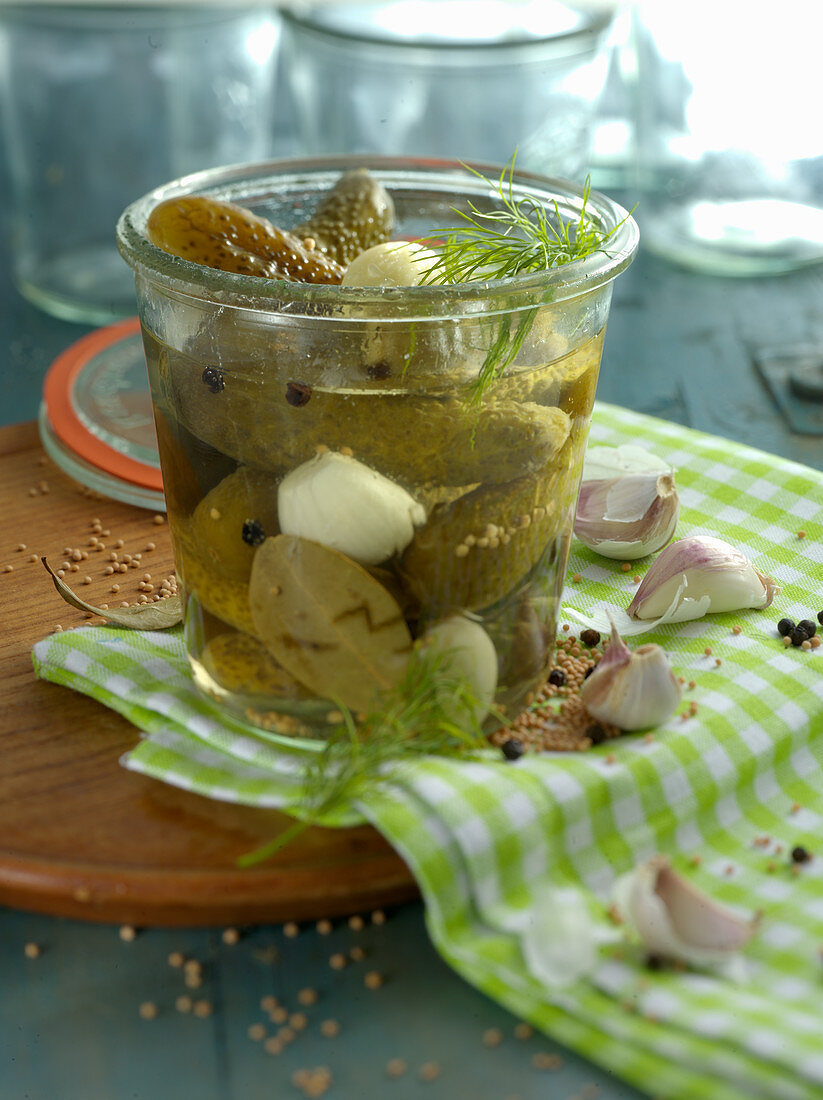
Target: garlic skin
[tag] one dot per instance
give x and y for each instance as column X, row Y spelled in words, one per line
column 627, row 517
column 393, row 263
column 698, row 575
column 675, row 919
column 468, row 654
column 602, row 463
column 632, row 690
column 561, row 942
column 335, row 500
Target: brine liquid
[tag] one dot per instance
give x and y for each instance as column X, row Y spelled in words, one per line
column 499, row 486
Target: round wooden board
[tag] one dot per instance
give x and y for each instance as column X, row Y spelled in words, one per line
column 80, row 836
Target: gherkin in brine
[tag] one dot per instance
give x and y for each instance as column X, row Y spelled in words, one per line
column 357, row 213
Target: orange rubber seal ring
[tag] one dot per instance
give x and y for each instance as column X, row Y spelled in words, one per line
column 67, row 426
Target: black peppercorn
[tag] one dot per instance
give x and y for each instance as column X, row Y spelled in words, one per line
column 379, row 371
column 557, row 677
column 596, row 734
column 655, row 962
column 590, row 638
column 512, row 749
column 800, row 855
column 253, row 533
column 785, row 628
column 808, row 626
column 214, row 379
column 798, row 636
column 589, row 671
column 820, row 617
column 298, row 394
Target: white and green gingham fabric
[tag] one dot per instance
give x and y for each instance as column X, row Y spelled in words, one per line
column 726, row 793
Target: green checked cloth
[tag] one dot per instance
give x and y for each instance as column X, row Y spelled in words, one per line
column 738, row 785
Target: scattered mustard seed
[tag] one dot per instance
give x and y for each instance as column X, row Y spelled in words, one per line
column 523, row 1031
column 429, row 1071
column 324, row 927
column 492, row 1037
column 273, row 1045
column 32, row 950
column 337, row 961
column 396, row 1067
column 356, row 923
column 230, row 936
column 373, row 979
column 176, row 959
column 307, row 996
column 544, row 1060
column 357, row 953
column 256, row 1032
column 202, row 1009
column 290, row 929
column 127, row 933
column 159, row 520
column 148, row 1010
column 378, row 917
column 330, row 1028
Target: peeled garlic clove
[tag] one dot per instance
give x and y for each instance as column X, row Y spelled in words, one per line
column 335, row 500
column 627, row 517
column 698, row 575
column 634, row 690
column 393, row 263
column 675, row 919
column 467, row 653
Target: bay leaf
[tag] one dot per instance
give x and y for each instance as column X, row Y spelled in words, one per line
column 327, row 621
column 142, row 616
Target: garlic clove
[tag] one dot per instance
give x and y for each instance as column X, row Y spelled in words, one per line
column 675, row 919
column 335, row 500
column 634, row 690
column 697, row 575
column 393, row 263
column 627, row 517
column 602, row 463
column 468, row 653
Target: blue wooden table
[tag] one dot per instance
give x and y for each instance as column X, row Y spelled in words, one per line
column 86, row 1014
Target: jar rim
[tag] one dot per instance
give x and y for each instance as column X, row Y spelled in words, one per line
column 254, row 181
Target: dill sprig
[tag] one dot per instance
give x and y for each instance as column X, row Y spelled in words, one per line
column 431, row 712
column 521, row 237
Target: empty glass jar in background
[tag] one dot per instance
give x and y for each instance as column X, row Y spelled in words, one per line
column 100, row 104
column 449, row 78
column 730, row 146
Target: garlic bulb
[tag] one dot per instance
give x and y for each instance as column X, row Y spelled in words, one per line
column 335, row 500
column 393, row 263
column 629, row 516
column 697, row 575
column 632, row 690
column 675, row 919
column 468, row 653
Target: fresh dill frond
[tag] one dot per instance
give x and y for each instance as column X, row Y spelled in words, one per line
column 520, row 237
column 431, row 712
